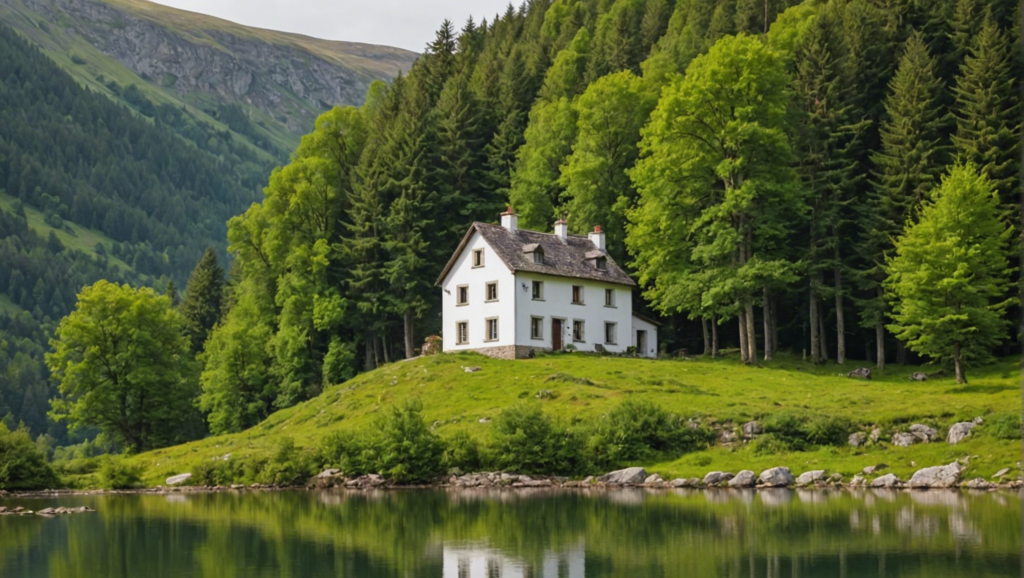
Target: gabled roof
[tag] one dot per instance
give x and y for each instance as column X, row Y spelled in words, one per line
column 567, row 258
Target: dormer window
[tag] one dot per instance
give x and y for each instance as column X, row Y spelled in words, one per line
column 535, row 252
column 538, row 256
column 601, row 263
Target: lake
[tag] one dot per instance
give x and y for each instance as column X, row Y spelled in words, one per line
column 519, row 534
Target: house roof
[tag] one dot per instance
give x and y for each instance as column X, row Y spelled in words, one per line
column 567, row 258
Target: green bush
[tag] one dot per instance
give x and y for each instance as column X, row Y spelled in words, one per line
column 218, row 472
column 798, row 431
column 1004, row 426
column 407, row 450
column 462, row 452
column 351, row 453
column 118, row 474
column 827, row 430
column 770, row 444
column 639, row 430
column 287, row 467
column 22, row 465
column 526, row 440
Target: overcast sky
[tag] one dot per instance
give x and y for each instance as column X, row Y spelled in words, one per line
column 408, row 24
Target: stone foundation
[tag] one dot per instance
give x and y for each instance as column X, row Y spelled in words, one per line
column 508, row 351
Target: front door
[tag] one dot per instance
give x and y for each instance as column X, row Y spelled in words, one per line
column 641, row 343
column 556, row 334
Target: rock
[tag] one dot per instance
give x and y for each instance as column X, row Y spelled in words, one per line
column 328, row 473
column 947, row 476
column 473, row 369
column 716, row 478
column 861, row 372
column 857, row 481
column 808, row 478
column 856, row 439
column 919, row 376
column 923, row 432
column 1001, row 473
column 178, row 479
column 625, row 477
column 875, row 435
column 726, row 436
column 685, row 483
column 959, row 431
column 872, row 469
column 485, row 420
column 835, row 478
column 751, row 429
column 237, row 487
column 776, row 477
column 46, row 512
column 904, row 439
column 886, row 481
column 653, row 479
column 979, row 484
column 744, row 479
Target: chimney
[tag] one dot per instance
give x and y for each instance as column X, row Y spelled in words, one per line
column 597, row 238
column 561, row 229
column 510, row 220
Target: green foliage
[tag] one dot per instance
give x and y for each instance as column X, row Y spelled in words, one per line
column 789, row 431
column 462, row 452
column 22, row 465
column 640, row 430
column 286, row 467
column 526, row 440
column 203, row 296
column 117, row 474
column 1004, row 426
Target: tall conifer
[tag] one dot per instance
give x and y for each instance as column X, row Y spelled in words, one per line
column 203, row 295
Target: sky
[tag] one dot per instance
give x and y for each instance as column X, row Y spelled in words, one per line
column 408, row 24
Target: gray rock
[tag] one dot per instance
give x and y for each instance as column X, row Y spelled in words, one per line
column 947, row 476
column 751, row 429
column 835, row 478
column 861, row 372
column 776, row 477
column 876, row 434
column 178, row 479
column 857, row 481
column 727, row 436
column 625, row 477
column 653, row 479
column 919, row 376
column 473, row 369
column 744, row 479
column 686, row 483
column 856, row 439
column 904, row 439
column 959, row 431
column 923, row 432
column 872, row 469
column 328, row 473
column 808, row 478
column 1001, row 473
column 715, row 478
column 886, row 481
column 979, row 484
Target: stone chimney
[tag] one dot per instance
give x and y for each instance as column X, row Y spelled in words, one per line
column 597, row 238
column 510, row 220
column 561, row 229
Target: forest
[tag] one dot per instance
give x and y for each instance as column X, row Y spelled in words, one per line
column 775, row 174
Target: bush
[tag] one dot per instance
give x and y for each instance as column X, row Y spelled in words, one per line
column 352, row 454
column 828, row 430
column 217, row 472
column 525, row 440
column 22, row 465
column 407, row 450
column 1005, row 426
column 638, row 430
column 118, row 474
column 770, row 444
column 287, row 467
column 797, row 431
column 462, row 452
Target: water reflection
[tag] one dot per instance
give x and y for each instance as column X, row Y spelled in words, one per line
column 540, row 533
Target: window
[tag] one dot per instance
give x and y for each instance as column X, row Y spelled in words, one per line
column 462, row 333
column 492, row 291
column 601, row 263
column 577, row 294
column 538, row 256
column 462, row 295
column 491, row 333
column 577, row 330
column 538, row 290
column 478, row 257
column 609, row 297
column 536, row 328
column 611, row 333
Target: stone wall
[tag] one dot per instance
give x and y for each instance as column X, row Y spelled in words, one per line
column 508, row 351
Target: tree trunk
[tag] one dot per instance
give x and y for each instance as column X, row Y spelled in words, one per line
column 707, row 338
column 409, row 324
column 378, row 354
column 742, row 320
column 384, row 346
column 369, row 363
column 822, row 335
column 840, row 319
column 714, row 336
column 958, row 363
column 775, row 323
column 815, row 344
column 751, row 333
column 769, row 347
column 901, row 353
column 879, row 345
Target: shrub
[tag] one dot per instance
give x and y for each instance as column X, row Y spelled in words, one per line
column 1005, row 426
column 22, row 465
column 407, row 450
column 526, row 440
column 287, row 467
column 637, row 430
column 352, row 454
column 798, row 431
column 118, row 474
column 462, row 452
column 217, row 472
column 828, row 430
column 770, row 444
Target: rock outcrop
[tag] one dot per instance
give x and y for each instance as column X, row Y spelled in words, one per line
column 776, row 477
column 886, row 481
column 716, row 478
column 947, row 476
column 744, row 479
column 628, row 476
column 959, row 431
column 811, row 477
column 178, row 479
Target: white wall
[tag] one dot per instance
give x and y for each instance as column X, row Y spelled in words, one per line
column 652, row 337
column 463, row 273
column 557, row 303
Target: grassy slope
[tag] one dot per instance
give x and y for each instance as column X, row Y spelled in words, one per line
column 586, row 387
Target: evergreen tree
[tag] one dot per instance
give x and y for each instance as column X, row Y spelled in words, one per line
column 171, row 291
column 203, row 296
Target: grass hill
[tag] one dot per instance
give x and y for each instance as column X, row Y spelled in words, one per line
column 721, row 393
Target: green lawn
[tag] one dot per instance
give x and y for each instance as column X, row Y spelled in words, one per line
column 714, row 391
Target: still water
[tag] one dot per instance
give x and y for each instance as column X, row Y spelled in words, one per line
column 519, row 534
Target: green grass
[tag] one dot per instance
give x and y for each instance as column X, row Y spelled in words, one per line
column 587, row 387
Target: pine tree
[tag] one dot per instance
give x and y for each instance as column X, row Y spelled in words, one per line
column 203, row 295
column 171, row 291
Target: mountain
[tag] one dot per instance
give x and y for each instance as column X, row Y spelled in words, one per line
column 279, row 82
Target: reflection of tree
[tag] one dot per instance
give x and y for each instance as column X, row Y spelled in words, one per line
column 404, row 534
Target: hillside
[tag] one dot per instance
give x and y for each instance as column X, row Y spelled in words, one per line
column 279, row 82
column 719, row 393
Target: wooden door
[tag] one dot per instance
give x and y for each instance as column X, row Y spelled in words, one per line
column 556, row 334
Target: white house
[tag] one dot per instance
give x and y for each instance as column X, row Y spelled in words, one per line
column 507, row 292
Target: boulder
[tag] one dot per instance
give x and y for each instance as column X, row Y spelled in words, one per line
column 872, row 469
column 875, row 435
column 808, row 478
column 178, row 479
column 904, row 439
column 856, row 439
column 751, row 429
column 886, row 481
column 776, row 477
column 959, row 431
column 947, row 476
column 744, row 479
column 919, row 376
column 861, row 372
column 726, row 436
column 1001, row 473
column 328, row 473
column 685, row 483
column 979, row 484
column 715, row 478
column 472, row 369
column 835, row 478
column 857, row 481
column 628, row 476
column 923, row 432
column 653, row 479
